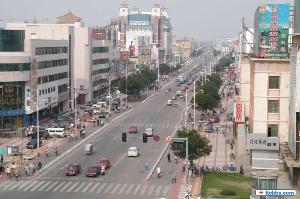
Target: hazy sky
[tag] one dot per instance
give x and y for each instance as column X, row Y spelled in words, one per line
column 200, row 19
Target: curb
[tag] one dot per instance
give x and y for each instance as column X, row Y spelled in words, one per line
column 50, row 164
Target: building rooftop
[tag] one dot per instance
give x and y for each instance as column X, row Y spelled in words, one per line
column 69, row 17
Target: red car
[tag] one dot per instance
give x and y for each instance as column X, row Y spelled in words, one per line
column 214, row 119
column 104, row 162
column 132, row 129
column 92, row 171
column 73, row 170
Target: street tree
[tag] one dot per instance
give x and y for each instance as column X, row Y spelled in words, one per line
column 148, row 76
column 206, row 101
column 225, row 61
column 199, row 146
column 164, row 69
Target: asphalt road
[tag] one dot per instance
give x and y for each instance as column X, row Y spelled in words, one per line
column 126, row 179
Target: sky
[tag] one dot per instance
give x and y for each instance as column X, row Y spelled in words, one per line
column 202, row 20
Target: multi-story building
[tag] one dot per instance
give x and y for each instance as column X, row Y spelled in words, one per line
column 142, row 32
column 33, row 69
column 186, row 47
column 60, row 61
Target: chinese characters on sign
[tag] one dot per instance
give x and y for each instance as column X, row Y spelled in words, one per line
column 272, row 30
column 261, row 141
column 239, row 112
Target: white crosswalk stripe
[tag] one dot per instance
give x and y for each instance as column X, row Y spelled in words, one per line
column 73, row 186
column 51, row 186
column 80, row 186
column 101, row 187
column 94, row 187
column 37, row 186
column 44, row 186
column 87, row 187
column 108, row 188
column 65, row 187
column 60, row 186
column 129, row 189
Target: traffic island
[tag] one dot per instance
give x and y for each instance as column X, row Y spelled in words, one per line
column 225, row 185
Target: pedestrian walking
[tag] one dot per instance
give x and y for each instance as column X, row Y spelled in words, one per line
column 158, row 172
column 174, row 178
column 176, row 159
column 169, row 157
column 16, row 174
column 1, row 159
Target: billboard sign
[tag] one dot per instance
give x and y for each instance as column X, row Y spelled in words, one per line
column 132, row 46
column 239, row 110
column 260, row 141
column 273, row 30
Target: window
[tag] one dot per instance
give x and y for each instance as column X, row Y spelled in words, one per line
column 50, row 50
column 100, row 49
column 52, row 63
column 100, row 61
column 272, row 130
column 273, row 82
column 273, row 106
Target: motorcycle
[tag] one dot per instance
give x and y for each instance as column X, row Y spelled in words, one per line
column 102, row 170
column 82, row 134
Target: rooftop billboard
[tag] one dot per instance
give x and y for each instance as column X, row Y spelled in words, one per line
column 272, row 30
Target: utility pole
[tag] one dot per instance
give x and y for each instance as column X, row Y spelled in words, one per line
column 157, row 64
column 75, row 105
column 205, row 74
column 194, row 104
column 126, row 79
column 186, row 107
column 37, row 120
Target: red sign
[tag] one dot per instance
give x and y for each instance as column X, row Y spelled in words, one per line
column 239, row 111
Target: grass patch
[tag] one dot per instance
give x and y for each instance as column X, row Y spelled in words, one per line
column 214, row 184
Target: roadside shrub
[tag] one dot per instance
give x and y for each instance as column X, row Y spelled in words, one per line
column 227, row 192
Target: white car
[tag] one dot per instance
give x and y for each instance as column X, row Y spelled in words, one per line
column 133, row 152
column 149, row 132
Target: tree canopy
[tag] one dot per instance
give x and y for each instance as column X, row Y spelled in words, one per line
column 225, row 61
column 199, row 146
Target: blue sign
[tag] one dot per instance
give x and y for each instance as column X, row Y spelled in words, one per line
column 147, row 165
column 11, row 112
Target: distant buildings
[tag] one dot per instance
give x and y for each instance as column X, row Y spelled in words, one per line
column 145, row 35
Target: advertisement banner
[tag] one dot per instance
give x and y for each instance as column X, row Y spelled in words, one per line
column 132, row 46
column 273, row 30
column 239, row 110
column 144, row 41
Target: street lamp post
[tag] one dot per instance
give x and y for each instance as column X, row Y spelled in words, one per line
column 194, row 93
column 186, row 107
column 126, row 76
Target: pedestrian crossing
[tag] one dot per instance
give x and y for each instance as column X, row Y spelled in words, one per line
column 66, row 186
column 143, row 125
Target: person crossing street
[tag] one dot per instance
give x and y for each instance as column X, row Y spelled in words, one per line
column 169, row 157
column 158, row 172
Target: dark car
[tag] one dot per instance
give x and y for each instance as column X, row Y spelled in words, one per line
column 209, row 128
column 73, row 170
column 32, row 144
column 104, row 162
column 132, row 129
column 103, row 114
column 92, row 171
column 43, row 134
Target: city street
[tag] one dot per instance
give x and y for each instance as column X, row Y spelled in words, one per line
column 126, row 177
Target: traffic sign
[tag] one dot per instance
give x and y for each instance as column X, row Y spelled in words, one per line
column 168, row 138
column 156, row 137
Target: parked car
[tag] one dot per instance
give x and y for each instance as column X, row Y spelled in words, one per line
column 104, row 162
column 103, row 114
column 214, row 119
column 73, row 170
column 174, row 97
column 32, row 144
column 209, row 128
column 132, row 129
column 93, row 171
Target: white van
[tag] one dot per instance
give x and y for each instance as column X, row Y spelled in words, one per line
column 58, row 132
column 102, row 104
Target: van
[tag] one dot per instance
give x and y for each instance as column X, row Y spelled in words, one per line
column 102, row 104
column 58, row 132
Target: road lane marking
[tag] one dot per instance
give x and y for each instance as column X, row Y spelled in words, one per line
column 23, row 185
column 80, row 186
column 165, row 191
column 157, row 190
column 58, row 186
column 129, row 189
column 101, row 187
column 119, row 160
column 72, row 187
column 115, row 188
column 13, row 186
column 94, row 187
column 8, row 185
column 151, row 189
column 144, row 188
column 109, row 187
column 51, row 186
column 79, row 178
column 37, row 185
column 87, row 186
column 44, row 186
column 63, row 167
column 29, row 186
column 122, row 188
column 136, row 189
column 65, row 187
